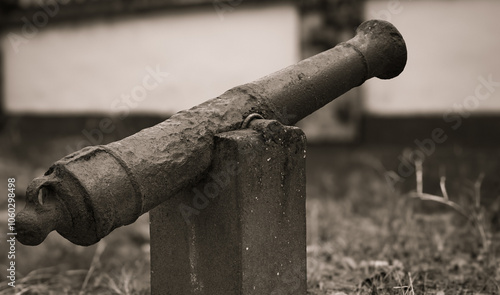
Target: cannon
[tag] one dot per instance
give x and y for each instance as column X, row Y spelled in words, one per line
column 87, row 194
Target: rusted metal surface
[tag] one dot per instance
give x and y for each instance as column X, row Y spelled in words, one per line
column 94, row 190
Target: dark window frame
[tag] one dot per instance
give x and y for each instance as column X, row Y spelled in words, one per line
column 12, row 12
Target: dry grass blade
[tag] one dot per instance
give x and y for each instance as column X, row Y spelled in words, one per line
column 419, row 175
column 477, row 189
column 412, row 291
column 442, row 184
column 475, row 217
column 407, row 290
column 438, row 199
column 113, row 285
column 98, row 251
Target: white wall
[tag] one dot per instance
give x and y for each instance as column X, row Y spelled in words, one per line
column 451, row 44
column 87, row 67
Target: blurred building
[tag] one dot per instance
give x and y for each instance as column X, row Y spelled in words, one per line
column 80, row 72
column 452, row 77
column 64, row 58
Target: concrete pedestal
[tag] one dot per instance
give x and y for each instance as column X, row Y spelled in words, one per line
column 242, row 229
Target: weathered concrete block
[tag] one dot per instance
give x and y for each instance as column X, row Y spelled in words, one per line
column 242, row 229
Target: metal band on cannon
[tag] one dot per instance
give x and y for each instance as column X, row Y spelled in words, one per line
column 87, row 194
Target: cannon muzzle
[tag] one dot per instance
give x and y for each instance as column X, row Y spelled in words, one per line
column 87, row 194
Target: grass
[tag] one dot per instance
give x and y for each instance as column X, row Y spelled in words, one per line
column 119, row 264
column 363, row 237
column 380, row 240
column 401, row 253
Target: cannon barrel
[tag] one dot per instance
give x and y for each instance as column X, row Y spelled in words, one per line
column 87, row 194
